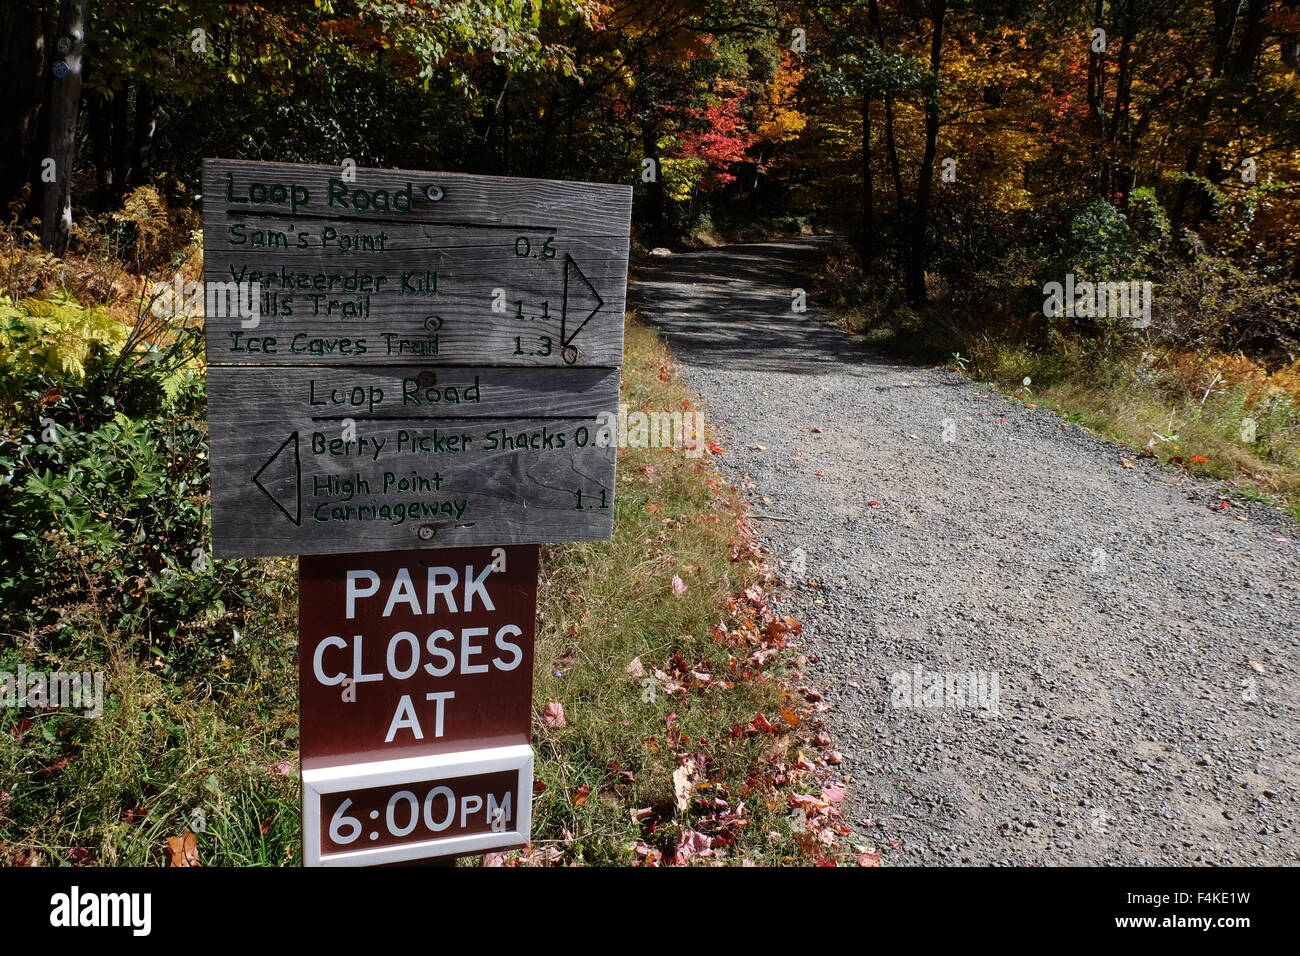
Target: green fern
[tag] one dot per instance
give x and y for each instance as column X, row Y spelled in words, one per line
column 56, row 336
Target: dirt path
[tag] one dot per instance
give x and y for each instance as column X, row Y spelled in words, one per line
column 1118, row 614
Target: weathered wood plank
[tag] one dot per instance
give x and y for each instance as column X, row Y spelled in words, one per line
column 498, row 271
column 382, row 465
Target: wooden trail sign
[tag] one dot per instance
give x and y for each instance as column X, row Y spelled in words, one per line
column 415, row 691
column 402, row 361
column 408, row 359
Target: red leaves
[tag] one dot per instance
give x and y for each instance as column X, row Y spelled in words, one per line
column 691, row 845
column 81, row 856
column 761, row 724
column 581, row 796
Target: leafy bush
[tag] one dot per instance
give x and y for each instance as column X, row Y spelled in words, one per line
column 117, row 510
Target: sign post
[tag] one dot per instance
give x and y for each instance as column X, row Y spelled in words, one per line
column 413, row 381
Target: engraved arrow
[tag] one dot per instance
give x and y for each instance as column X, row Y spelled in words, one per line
column 284, row 480
column 571, row 267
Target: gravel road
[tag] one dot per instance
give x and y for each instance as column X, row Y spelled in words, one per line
column 1033, row 653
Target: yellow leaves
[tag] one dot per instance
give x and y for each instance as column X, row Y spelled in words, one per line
column 775, row 119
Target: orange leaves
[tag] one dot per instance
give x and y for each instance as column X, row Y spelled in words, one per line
column 183, row 850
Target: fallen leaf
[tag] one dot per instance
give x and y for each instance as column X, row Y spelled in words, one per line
column 184, row 850
column 692, row 845
column 636, row 669
column 682, row 787
column 679, row 586
column 553, row 714
column 1256, row 666
column 581, row 796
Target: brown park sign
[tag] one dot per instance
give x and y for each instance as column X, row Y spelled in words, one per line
column 403, row 359
column 408, row 653
column 415, row 690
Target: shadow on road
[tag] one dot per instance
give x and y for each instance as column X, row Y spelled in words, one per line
column 731, row 307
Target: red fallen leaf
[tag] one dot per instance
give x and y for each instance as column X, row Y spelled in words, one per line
column 664, row 374
column 134, row 816
column 691, row 845
column 648, row 854
column 716, row 449
column 763, row 724
column 1200, row 460
column 816, row 431
column 183, row 850
column 80, row 855
column 1176, row 460
column 539, row 785
column 1222, row 505
column 868, row 859
column 581, row 796
column 820, row 474
column 875, row 504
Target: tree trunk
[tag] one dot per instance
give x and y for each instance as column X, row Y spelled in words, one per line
column 22, row 50
column 142, row 138
column 1291, row 41
column 867, row 250
column 1097, row 95
column 920, row 219
column 65, row 107
column 1118, row 175
column 1225, row 24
